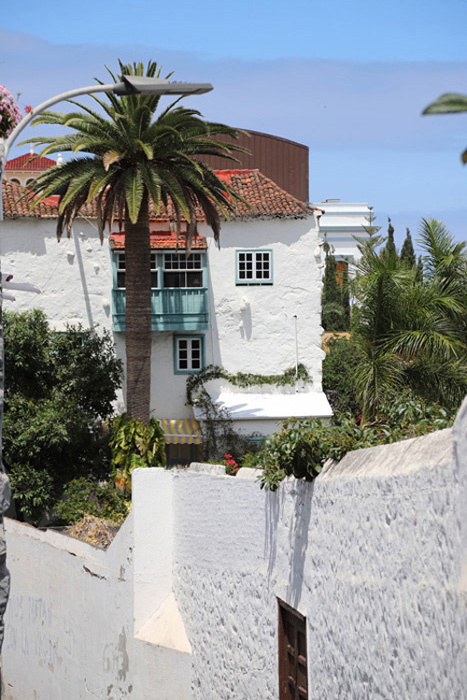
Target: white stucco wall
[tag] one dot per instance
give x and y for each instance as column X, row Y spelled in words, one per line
column 184, row 603
column 70, row 621
column 371, row 553
column 252, row 327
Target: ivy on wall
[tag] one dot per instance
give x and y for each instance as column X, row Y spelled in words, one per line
column 195, row 382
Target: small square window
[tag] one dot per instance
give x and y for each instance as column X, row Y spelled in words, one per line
column 254, row 267
column 188, row 354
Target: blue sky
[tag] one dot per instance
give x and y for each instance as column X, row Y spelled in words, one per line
column 349, row 79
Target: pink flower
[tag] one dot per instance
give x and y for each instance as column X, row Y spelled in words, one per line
column 28, row 109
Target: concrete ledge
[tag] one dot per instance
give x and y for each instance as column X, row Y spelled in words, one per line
column 204, row 468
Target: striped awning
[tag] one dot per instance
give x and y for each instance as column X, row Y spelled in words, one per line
column 181, row 431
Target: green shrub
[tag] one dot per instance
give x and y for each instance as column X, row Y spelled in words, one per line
column 33, row 491
column 59, row 392
column 86, row 497
column 338, row 375
column 301, row 447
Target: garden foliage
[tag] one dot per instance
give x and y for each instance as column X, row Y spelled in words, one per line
column 59, row 391
column 135, row 444
column 302, row 447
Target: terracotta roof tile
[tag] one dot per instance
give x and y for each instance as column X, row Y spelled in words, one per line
column 266, row 200
column 12, row 208
column 29, row 162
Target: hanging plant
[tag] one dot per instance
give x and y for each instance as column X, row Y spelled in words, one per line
column 10, row 115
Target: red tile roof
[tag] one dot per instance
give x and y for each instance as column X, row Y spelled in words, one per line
column 14, row 209
column 265, row 199
column 30, row 162
column 162, row 240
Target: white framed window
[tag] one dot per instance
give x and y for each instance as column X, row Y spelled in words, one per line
column 120, row 265
column 254, row 267
column 180, row 271
column 188, row 354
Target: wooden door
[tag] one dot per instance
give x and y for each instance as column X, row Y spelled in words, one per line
column 293, row 673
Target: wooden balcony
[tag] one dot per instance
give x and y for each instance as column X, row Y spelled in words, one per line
column 173, row 309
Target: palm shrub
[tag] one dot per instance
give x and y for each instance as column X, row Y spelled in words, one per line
column 138, row 159
column 135, row 444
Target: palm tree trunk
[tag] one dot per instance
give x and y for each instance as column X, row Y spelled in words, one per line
column 138, row 314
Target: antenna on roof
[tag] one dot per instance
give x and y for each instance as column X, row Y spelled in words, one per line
column 31, row 151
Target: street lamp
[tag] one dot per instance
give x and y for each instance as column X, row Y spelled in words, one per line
column 130, row 85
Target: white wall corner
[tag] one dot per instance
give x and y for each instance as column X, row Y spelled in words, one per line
column 152, row 491
column 166, row 628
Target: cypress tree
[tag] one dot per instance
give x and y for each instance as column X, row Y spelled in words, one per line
column 331, row 299
column 389, row 249
column 407, row 251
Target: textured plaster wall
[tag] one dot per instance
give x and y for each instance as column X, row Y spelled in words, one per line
column 84, row 624
column 373, row 553
column 252, row 328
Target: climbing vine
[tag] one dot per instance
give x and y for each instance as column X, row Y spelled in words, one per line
column 195, row 382
column 217, row 427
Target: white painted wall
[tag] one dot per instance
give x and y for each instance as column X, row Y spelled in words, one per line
column 370, row 553
column 373, row 553
column 342, row 221
column 252, row 328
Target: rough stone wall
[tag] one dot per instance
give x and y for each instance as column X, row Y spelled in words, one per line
column 371, row 553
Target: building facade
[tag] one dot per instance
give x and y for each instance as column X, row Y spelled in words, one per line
column 252, row 305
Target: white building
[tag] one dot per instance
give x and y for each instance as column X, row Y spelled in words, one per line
column 340, row 223
column 254, row 305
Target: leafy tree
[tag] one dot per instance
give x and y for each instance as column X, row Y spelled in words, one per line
column 60, row 390
column 449, row 103
column 136, row 161
column 407, row 255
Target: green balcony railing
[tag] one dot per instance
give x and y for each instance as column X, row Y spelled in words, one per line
column 172, row 309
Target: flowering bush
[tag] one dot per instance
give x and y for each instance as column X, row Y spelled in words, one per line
column 10, row 115
column 231, row 466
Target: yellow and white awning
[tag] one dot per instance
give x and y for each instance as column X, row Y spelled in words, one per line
column 181, row 431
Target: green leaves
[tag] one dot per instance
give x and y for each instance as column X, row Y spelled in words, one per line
column 134, row 445
column 449, row 103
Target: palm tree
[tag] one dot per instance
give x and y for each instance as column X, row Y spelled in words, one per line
column 136, row 160
column 411, row 333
